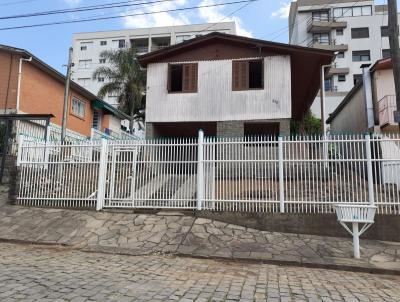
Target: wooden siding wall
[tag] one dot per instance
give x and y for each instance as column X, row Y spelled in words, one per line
column 215, row 100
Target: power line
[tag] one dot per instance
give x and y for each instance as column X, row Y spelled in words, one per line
column 77, row 9
column 16, row 2
column 123, row 16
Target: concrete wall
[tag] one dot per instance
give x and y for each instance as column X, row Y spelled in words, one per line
column 383, row 83
column 385, row 227
column 215, row 100
column 353, row 117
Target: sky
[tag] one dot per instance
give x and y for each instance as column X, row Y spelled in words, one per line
column 264, row 19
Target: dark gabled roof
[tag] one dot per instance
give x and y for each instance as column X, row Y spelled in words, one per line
column 305, row 62
column 345, row 101
column 61, row 78
column 155, row 56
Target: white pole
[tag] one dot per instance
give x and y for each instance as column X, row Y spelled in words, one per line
column 101, row 184
column 19, row 81
column 356, row 240
column 371, row 197
column 280, row 166
column 19, row 152
column 200, row 178
column 323, row 117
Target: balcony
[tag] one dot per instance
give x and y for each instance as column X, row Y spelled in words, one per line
column 324, row 24
column 338, row 70
column 158, row 43
column 327, row 44
column 387, row 106
column 141, row 45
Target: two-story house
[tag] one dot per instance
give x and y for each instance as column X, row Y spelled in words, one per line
column 29, row 85
column 229, row 86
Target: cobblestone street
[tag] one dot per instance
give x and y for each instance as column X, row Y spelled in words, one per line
column 40, row 273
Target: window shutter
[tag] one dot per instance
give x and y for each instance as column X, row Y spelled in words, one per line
column 169, row 78
column 189, row 77
column 244, row 75
column 193, row 77
column 240, row 75
column 235, row 75
column 186, row 78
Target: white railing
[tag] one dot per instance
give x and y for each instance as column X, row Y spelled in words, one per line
column 121, row 135
column 303, row 174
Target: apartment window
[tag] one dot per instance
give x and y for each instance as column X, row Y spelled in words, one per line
column 121, row 43
column 339, row 32
column 321, row 38
column 320, row 16
column 84, row 82
column 360, row 33
column 354, row 11
column 85, row 64
column 340, row 55
column 385, row 53
column 103, row 43
column 357, row 78
column 100, row 79
column 182, row 77
column 83, row 48
column 247, row 74
column 102, row 61
column 341, row 78
column 78, row 107
column 361, row 56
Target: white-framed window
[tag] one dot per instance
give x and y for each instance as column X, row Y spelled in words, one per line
column 102, row 61
column 85, row 64
column 83, row 47
column 84, row 82
column 342, row 78
column 100, row 79
column 78, row 107
column 353, row 11
column 103, row 43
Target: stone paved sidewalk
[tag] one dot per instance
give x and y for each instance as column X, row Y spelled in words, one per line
column 143, row 234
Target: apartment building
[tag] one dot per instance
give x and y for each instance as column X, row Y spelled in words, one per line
column 88, row 47
column 356, row 31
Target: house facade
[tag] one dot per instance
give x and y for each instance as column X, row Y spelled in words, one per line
column 88, row 47
column 229, row 86
column 368, row 107
column 28, row 85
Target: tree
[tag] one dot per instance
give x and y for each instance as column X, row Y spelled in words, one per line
column 126, row 79
column 309, row 125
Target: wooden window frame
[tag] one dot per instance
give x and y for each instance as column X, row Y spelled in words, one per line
column 84, row 108
column 190, row 78
column 241, row 75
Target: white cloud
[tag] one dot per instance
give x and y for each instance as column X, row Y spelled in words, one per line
column 206, row 14
column 282, row 12
column 159, row 19
column 214, row 14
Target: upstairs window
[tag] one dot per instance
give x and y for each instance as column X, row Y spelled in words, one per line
column 385, row 53
column 361, row 56
column 85, row 64
column 78, row 107
column 360, row 33
column 340, row 55
column 182, row 77
column 247, row 75
column 103, row 43
column 357, row 78
column 342, row 78
column 102, row 61
column 339, row 32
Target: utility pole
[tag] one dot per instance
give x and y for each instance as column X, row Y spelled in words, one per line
column 393, row 28
column 66, row 95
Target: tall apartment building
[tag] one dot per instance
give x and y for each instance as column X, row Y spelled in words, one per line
column 356, row 30
column 88, row 47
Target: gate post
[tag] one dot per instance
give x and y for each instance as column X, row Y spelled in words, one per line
column 200, row 176
column 371, row 197
column 280, row 169
column 101, row 185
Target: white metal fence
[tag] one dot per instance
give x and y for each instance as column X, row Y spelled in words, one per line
column 300, row 174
